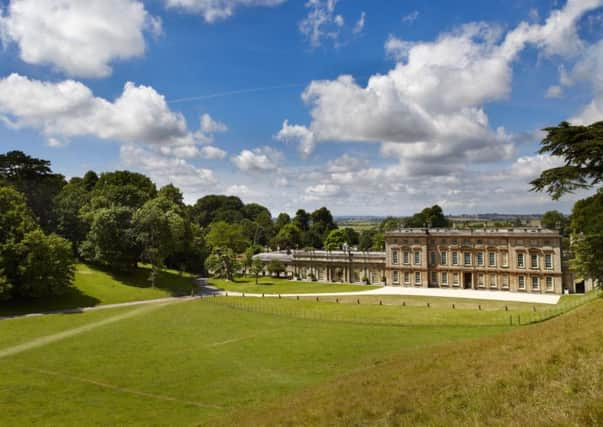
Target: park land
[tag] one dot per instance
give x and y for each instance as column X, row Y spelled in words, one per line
column 312, row 361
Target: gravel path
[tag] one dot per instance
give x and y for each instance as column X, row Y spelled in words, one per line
column 445, row 293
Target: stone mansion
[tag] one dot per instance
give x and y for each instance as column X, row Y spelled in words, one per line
column 526, row 260
column 514, row 259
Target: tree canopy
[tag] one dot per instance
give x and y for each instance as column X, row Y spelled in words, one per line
column 581, row 150
column 555, row 220
column 432, row 217
column 34, row 178
column 221, row 234
column 32, row 263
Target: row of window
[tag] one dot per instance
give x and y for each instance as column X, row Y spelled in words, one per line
column 407, row 276
column 534, row 261
column 492, row 280
column 479, row 259
column 406, row 257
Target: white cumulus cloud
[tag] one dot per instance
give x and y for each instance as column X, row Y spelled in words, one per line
column 429, row 109
column 300, row 134
column 263, row 159
column 164, row 170
column 81, row 38
column 211, row 152
column 70, row 109
column 322, row 191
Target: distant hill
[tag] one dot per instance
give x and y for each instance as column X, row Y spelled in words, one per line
column 363, row 222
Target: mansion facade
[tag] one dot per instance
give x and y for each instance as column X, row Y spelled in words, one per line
column 517, row 259
column 514, row 259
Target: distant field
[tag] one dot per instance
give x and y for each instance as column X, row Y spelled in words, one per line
column 360, row 224
column 184, row 363
column 94, row 287
column 272, row 285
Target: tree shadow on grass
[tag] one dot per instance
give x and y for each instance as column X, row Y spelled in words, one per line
column 173, row 283
column 72, row 299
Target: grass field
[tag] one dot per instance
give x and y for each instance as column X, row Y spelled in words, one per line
column 270, row 361
column 491, row 313
column 540, row 375
column 436, row 302
column 272, row 285
column 184, row 363
column 93, row 287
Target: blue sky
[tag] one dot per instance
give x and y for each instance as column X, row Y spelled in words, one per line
column 442, row 103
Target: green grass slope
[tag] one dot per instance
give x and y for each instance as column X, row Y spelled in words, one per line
column 93, row 286
column 185, row 363
column 540, row 375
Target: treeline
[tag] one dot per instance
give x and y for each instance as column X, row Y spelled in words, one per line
column 118, row 219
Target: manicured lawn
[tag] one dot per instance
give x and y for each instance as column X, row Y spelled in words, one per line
column 438, row 302
column 273, row 285
column 373, row 313
column 94, row 286
column 540, row 375
column 187, row 363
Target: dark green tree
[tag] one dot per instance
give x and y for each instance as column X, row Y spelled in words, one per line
column 46, row 266
column 224, row 235
column 340, row 237
column 289, row 237
column 581, row 150
column 555, row 220
column 302, row 220
column 207, row 209
column 171, row 193
column 32, row 264
column 432, row 217
column 587, row 237
column 366, row 239
column 122, row 188
column 16, row 221
column 265, row 229
column 89, row 180
column 335, row 240
column 111, row 240
column 311, row 239
column 257, row 267
column 281, row 220
column 248, row 256
column 222, row 263
column 156, row 235
column 251, row 211
column 34, row 178
column 352, row 237
column 322, row 222
column 69, row 223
